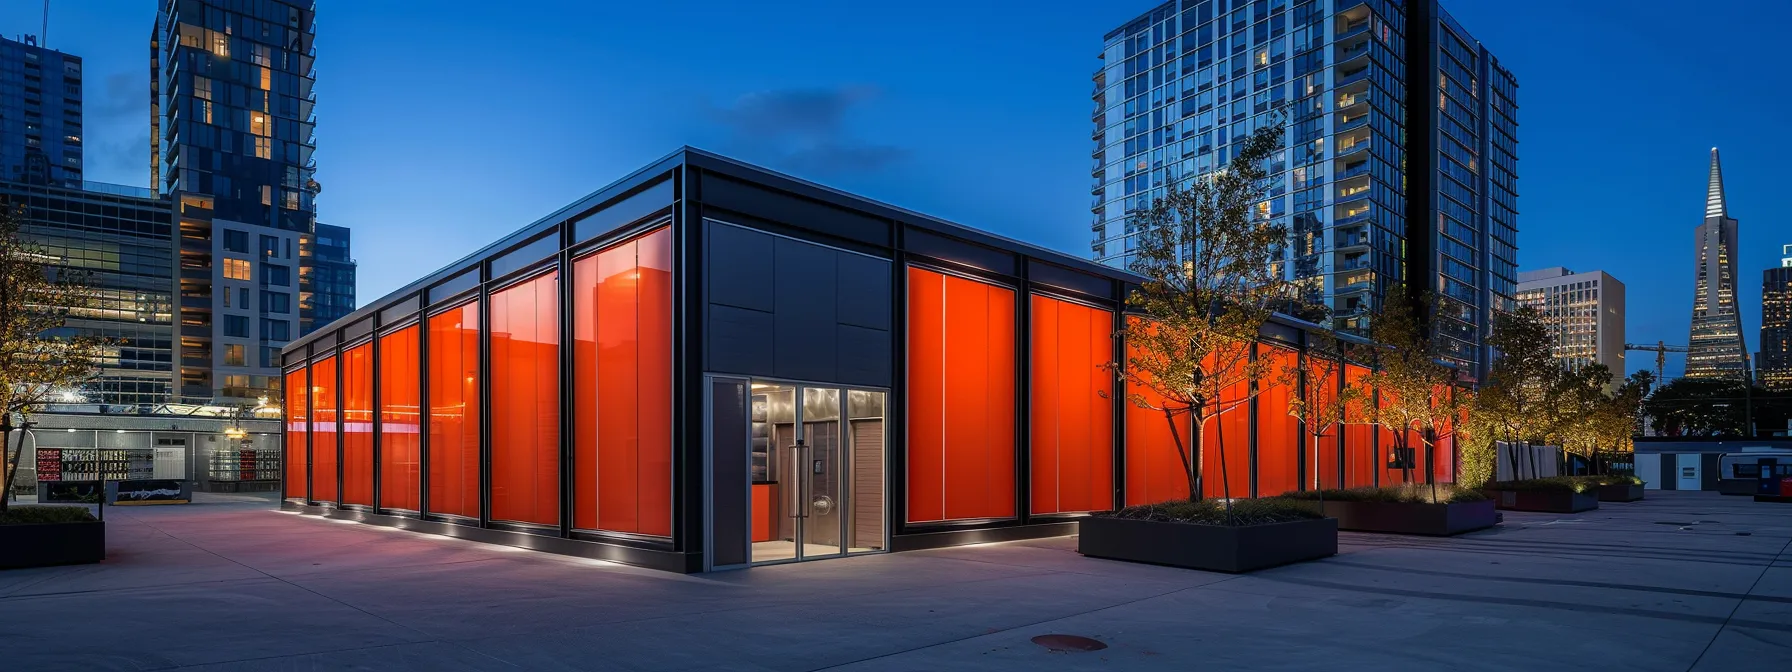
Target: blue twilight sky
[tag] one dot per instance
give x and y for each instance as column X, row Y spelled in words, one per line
column 444, row 124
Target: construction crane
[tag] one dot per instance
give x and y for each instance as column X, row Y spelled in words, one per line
column 1661, row 350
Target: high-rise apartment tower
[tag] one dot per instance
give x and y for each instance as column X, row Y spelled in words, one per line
column 1401, row 158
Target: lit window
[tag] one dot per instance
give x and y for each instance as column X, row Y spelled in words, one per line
column 233, row 355
column 259, row 123
column 202, row 88
column 236, row 269
column 263, row 150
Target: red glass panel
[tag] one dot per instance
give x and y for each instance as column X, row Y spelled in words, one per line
column 525, row 366
column 400, row 461
column 961, row 401
column 454, row 411
column 622, row 358
column 1236, row 470
column 1155, row 471
column 357, row 425
column 298, row 441
column 323, row 431
column 1072, row 458
column 1324, row 392
column 1279, row 436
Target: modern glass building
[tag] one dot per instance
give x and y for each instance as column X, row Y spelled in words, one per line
column 709, row 365
column 232, row 117
column 40, row 114
column 1584, row 313
column 1774, row 365
column 1400, row 161
column 1716, row 348
column 121, row 236
column 327, row 285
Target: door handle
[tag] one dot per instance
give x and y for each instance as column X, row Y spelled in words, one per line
column 797, row 497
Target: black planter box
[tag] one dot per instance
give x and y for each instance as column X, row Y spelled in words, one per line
column 1439, row 520
column 1621, row 492
column 1543, row 501
column 1212, row 547
column 46, row 544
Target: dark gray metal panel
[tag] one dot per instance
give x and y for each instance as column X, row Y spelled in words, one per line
column 739, row 341
column 804, row 339
column 739, row 267
column 622, row 213
column 400, row 309
column 528, row 254
column 454, row 286
column 1039, row 272
column 1708, row 470
column 728, row 477
column 1670, row 472
column 865, row 355
column 762, row 201
column 359, row 328
column 921, row 241
column 865, row 296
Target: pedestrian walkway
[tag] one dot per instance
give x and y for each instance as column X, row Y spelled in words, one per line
column 1680, row 581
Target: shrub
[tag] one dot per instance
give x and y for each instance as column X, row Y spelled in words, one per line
column 33, row 515
column 1262, row 511
column 1611, row 479
column 1401, row 494
column 1547, row 484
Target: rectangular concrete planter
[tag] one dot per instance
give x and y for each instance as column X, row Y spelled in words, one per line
column 1543, row 501
column 1621, row 493
column 48, row 544
column 1439, row 520
column 1211, row 547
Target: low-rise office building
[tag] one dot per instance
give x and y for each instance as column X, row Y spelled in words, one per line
column 709, row 365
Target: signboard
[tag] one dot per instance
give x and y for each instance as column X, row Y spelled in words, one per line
column 69, row 492
column 148, row 491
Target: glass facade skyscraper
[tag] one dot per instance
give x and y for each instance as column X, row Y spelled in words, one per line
column 327, row 292
column 1377, row 187
column 121, row 237
column 232, row 109
column 1775, row 359
column 40, row 114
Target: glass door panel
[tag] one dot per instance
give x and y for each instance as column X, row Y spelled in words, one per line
column 865, row 448
column 817, row 469
column 821, row 514
column 772, row 412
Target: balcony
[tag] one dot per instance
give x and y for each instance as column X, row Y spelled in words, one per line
column 1353, row 29
column 1352, row 123
column 1361, row 214
column 1352, row 241
column 1351, row 192
column 1346, row 78
column 1345, row 54
column 1353, row 170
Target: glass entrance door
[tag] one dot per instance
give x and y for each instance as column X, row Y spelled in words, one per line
column 817, row 464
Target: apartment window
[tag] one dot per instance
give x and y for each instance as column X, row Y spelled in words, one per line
column 270, row 246
column 276, row 275
column 263, row 150
column 259, row 122
column 289, row 199
column 276, row 330
column 243, row 297
column 236, row 269
column 236, row 326
column 276, row 302
column 236, row 241
column 233, row 355
column 227, row 293
column 202, row 88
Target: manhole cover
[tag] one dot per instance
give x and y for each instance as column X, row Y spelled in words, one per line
column 1068, row 643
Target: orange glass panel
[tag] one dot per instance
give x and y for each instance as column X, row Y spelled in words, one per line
column 298, row 440
column 357, row 425
column 454, row 411
column 323, row 431
column 525, row 388
column 1072, row 451
column 1359, row 447
column 961, row 402
column 1279, row 436
column 1236, row 470
column 401, row 476
column 1154, row 468
column 622, row 357
column 1325, row 391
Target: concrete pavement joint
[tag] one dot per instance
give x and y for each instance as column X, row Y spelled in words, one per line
column 1731, row 618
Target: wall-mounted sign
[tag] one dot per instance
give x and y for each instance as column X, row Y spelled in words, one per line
column 149, row 491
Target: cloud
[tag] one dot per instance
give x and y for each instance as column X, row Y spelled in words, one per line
column 805, row 129
column 126, row 94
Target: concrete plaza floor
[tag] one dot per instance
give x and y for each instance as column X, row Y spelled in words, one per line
column 1680, row 581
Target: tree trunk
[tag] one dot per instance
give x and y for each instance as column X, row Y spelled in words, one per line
column 9, row 461
column 1225, row 478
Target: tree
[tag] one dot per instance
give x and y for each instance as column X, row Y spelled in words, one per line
column 1572, row 409
column 1699, row 407
column 1508, row 407
column 1211, row 259
column 1319, row 405
column 38, row 354
column 1413, row 385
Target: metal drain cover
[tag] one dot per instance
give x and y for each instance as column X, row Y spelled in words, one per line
column 1068, row 643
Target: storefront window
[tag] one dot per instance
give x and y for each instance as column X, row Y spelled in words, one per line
column 961, row 398
column 622, row 386
column 298, row 442
column 400, row 478
column 454, row 411
column 525, row 366
column 357, row 425
column 1072, row 437
column 323, row 431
